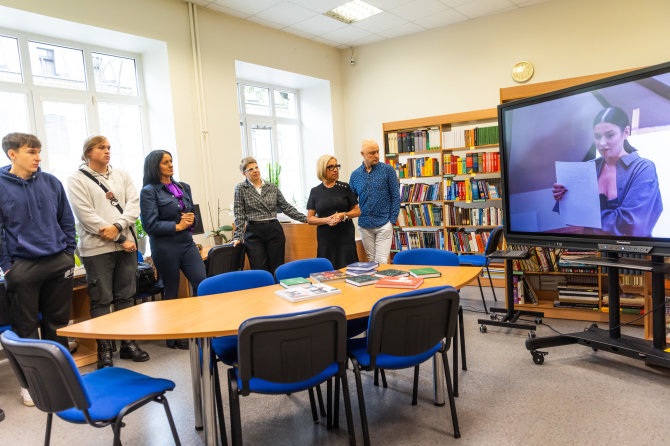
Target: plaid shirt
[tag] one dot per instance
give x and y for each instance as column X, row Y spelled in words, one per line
column 249, row 205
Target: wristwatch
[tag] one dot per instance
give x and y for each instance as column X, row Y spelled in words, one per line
column 346, row 217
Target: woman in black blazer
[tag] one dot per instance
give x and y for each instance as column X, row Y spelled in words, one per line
column 167, row 216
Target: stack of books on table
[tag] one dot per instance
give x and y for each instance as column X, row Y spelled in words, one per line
column 361, row 279
column 328, row 276
column 404, row 282
column 358, row 268
column 424, row 273
column 307, row 292
column 294, row 282
column 575, row 296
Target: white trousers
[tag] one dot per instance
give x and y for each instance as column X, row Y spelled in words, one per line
column 377, row 242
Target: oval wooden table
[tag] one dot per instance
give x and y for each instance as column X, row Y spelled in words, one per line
column 202, row 318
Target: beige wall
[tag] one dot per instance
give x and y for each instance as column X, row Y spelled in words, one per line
column 462, row 67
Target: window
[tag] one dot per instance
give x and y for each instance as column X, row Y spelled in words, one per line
column 68, row 91
column 270, row 132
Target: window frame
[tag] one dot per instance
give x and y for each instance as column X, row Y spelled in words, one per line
column 89, row 97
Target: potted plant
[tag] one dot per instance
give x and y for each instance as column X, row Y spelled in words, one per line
column 274, row 170
column 219, row 232
column 141, row 235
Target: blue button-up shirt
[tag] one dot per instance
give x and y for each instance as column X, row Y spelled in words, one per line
column 378, row 193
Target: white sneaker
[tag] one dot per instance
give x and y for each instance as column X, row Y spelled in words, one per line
column 27, row 400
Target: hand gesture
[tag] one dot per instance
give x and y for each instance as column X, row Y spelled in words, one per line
column 187, row 219
column 558, row 190
column 108, row 232
column 129, row 246
column 334, row 219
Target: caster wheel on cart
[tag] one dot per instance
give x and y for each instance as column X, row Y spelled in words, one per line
column 538, row 320
column 538, row 357
column 531, row 334
column 482, row 328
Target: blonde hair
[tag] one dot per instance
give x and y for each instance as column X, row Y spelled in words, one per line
column 89, row 144
column 245, row 162
column 321, row 164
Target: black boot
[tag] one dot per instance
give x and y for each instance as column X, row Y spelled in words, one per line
column 104, row 354
column 181, row 344
column 130, row 350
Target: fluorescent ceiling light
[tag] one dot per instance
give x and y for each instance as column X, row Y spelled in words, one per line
column 352, row 11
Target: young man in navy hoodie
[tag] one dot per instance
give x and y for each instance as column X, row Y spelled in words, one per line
column 37, row 242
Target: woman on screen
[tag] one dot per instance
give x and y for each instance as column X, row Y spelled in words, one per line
column 630, row 199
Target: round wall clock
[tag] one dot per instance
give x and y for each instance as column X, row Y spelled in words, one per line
column 522, row 71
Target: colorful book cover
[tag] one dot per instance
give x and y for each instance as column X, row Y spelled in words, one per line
column 411, row 283
column 391, row 273
column 294, row 281
column 425, row 273
column 362, row 280
column 363, row 265
column 328, row 276
column 298, row 294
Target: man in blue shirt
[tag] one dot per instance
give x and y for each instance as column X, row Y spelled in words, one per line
column 378, row 191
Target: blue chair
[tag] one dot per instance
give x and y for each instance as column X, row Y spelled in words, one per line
column 101, row 398
column 406, row 330
column 224, row 348
column 440, row 257
column 286, row 354
column 483, row 261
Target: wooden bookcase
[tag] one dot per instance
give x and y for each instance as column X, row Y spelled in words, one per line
column 433, row 154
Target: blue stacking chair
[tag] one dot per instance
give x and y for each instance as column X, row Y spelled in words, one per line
column 483, row 261
column 286, row 354
column 101, row 398
column 406, row 330
column 440, row 257
column 224, row 348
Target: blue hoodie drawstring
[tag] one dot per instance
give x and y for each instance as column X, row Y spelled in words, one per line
column 25, row 192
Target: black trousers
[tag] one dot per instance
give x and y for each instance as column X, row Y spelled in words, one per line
column 264, row 244
column 42, row 285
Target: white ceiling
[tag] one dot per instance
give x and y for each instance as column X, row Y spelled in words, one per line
column 399, row 17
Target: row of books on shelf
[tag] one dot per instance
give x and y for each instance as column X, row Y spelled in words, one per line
column 413, row 141
column 404, row 240
column 478, row 136
column 462, row 241
column 488, row 216
column 476, row 162
column 541, row 259
column 420, row 214
column 421, row 192
column 470, row 190
column 416, row 167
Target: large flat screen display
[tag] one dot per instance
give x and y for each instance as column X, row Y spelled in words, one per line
column 587, row 166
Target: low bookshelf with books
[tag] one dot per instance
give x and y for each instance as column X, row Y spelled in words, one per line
column 449, row 171
column 552, row 280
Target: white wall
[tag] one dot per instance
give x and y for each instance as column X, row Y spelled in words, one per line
column 462, row 67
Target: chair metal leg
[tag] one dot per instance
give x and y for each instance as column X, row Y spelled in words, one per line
column 329, row 403
column 384, row 383
column 319, row 396
column 376, row 381
column 312, row 404
column 235, row 420
column 455, row 353
column 461, row 327
column 452, row 401
column 361, row 401
column 482, row 293
column 219, row 404
column 415, row 387
column 47, row 434
column 116, row 428
column 173, row 428
column 336, row 405
column 491, row 283
column 347, row 406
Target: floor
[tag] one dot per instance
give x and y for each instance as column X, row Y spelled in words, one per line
column 577, row 396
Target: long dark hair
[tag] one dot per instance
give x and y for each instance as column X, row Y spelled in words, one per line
column 152, row 173
column 612, row 115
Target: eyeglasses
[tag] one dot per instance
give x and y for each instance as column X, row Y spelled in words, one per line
column 251, row 169
column 334, row 166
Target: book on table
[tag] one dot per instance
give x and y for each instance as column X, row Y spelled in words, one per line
column 405, row 282
column 362, row 280
column 328, row 276
column 314, row 291
column 361, row 267
column 424, row 273
column 294, row 281
column 391, row 273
